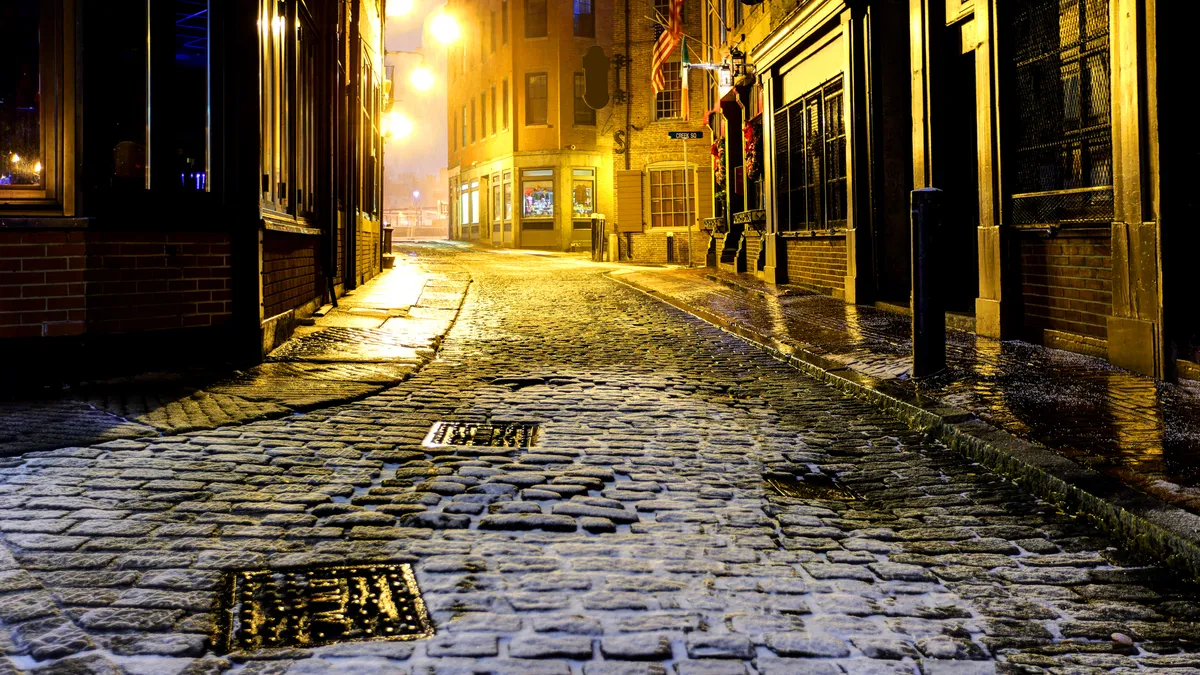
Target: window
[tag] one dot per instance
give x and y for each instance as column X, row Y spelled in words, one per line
column 672, row 199
column 662, row 8
column 464, row 126
column 810, row 161
column 473, row 137
column 583, row 186
column 497, row 200
column 504, row 22
column 535, row 18
column 737, row 14
column 535, row 98
column 453, row 134
column 504, row 89
column 482, row 43
column 474, row 202
column 585, row 19
column 508, row 197
column 1062, row 173
column 464, row 205
column 668, row 104
column 493, row 111
column 583, row 114
column 307, row 112
column 537, row 192
column 483, row 115
column 492, row 32
column 21, row 165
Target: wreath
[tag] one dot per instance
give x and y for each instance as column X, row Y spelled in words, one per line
column 751, row 139
column 718, row 155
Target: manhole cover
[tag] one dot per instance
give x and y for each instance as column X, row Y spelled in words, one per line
column 313, row 606
column 499, row 434
column 808, row 486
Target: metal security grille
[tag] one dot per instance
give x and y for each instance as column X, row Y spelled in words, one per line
column 1063, row 134
column 810, row 160
column 496, row 434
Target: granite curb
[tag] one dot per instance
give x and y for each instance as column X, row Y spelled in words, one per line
column 1141, row 522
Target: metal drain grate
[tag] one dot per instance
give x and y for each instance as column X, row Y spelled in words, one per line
column 808, row 486
column 313, row 606
column 497, row 434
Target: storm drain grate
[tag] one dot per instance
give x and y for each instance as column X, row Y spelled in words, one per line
column 497, row 434
column 808, row 486
column 313, row 606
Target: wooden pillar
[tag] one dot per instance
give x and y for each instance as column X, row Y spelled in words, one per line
column 1135, row 331
column 996, row 314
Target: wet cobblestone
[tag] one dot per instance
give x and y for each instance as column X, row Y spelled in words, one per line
column 638, row 536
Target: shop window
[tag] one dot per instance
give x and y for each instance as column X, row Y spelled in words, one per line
column 23, row 163
column 537, row 192
column 508, row 196
column 810, row 161
column 672, row 199
column 584, row 115
column 668, row 103
column 536, row 98
column 583, row 189
column 1062, row 136
column 474, row 202
column 535, row 18
column 497, row 200
column 585, row 19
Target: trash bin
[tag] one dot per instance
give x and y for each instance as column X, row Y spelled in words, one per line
column 599, row 238
column 387, row 240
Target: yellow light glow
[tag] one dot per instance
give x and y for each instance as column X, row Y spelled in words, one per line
column 397, row 8
column 444, row 28
column 396, row 125
column 277, row 24
column 37, row 167
column 15, row 158
column 421, row 78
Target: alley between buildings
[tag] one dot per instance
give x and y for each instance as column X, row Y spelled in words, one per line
column 692, row 506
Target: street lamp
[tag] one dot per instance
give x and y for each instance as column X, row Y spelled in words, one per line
column 396, row 125
column 444, row 28
column 421, row 78
column 397, row 8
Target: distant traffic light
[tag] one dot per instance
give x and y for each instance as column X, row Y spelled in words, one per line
column 595, row 78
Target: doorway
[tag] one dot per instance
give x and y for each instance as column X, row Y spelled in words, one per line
column 960, row 245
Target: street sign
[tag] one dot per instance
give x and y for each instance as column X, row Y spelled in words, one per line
column 685, row 135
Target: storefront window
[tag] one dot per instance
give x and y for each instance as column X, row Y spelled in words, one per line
column 474, row 202
column 508, row 196
column 464, row 205
column 20, row 85
column 497, row 203
column 537, row 188
column 582, row 193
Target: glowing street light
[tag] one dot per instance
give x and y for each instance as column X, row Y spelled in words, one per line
column 444, row 28
column 421, row 78
column 15, row 158
column 396, row 125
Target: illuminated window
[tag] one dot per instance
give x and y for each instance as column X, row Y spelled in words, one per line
column 585, row 19
column 537, row 194
column 672, row 199
column 583, row 193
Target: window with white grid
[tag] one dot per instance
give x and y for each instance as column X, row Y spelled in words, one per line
column 668, row 104
column 672, row 200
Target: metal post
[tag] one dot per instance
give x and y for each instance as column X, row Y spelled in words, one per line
column 928, row 306
column 687, row 199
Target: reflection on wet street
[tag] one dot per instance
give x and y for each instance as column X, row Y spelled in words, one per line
column 1145, row 432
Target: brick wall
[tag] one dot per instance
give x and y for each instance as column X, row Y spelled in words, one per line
column 68, row 282
column 1066, row 283
column 290, row 272
column 819, row 262
column 652, row 247
column 42, row 283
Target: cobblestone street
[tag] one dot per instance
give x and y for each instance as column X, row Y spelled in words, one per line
column 641, row 535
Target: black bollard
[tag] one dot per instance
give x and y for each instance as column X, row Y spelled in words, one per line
column 928, row 305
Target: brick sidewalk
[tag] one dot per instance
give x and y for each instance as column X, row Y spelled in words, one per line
column 379, row 334
column 1141, row 431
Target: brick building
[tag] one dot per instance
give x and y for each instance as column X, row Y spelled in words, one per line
column 181, row 180
column 529, row 162
column 652, row 216
column 1040, row 120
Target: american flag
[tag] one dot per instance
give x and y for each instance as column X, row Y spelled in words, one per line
column 667, row 42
